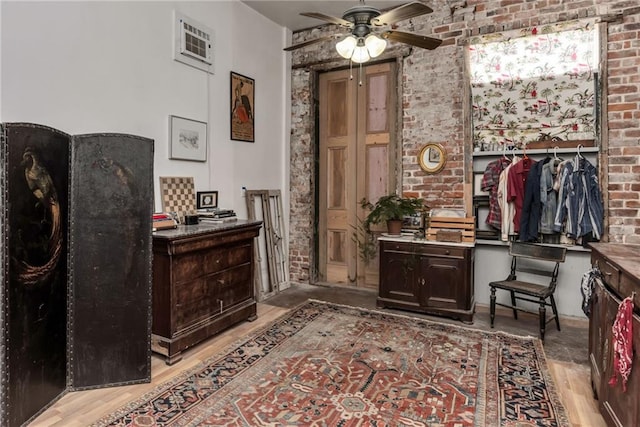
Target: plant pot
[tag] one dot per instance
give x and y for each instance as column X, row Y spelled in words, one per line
column 394, row 226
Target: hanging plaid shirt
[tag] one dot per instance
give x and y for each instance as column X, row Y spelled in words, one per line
column 622, row 343
column 489, row 183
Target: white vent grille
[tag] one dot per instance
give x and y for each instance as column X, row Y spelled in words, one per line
column 194, row 43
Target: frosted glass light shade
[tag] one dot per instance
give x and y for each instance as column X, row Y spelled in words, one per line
column 346, row 46
column 375, row 45
column 360, row 54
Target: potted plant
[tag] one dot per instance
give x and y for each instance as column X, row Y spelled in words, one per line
column 392, row 209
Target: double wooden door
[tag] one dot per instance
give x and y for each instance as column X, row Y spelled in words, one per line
column 356, row 160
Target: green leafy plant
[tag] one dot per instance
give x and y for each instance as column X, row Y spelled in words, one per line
column 390, row 207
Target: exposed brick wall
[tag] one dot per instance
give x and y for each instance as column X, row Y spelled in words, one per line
column 433, row 111
column 623, row 100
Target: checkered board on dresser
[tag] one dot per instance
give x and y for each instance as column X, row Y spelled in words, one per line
column 178, row 195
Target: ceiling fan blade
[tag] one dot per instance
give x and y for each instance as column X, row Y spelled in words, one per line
column 401, row 13
column 412, row 39
column 310, row 42
column 328, row 18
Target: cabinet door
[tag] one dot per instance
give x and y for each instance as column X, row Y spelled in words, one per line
column 398, row 276
column 597, row 331
column 441, row 283
column 620, row 407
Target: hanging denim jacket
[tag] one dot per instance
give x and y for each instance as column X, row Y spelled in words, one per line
column 580, row 201
column 548, row 196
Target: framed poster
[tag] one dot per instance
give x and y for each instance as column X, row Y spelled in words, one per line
column 242, row 108
column 187, row 139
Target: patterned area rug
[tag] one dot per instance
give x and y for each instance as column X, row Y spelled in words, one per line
column 329, row 365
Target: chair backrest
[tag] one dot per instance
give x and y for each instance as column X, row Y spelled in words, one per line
column 537, row 259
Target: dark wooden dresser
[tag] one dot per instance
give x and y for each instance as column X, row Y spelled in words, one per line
column 202, row 283
column 620, row 267
column 426, row 276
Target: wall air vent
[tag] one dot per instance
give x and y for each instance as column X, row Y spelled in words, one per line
column 193, row 43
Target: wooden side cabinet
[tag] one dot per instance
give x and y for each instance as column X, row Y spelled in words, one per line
column 202, row 283
column 427, row 277
column 620, row 267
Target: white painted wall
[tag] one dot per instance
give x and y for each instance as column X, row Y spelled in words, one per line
column 85, row 67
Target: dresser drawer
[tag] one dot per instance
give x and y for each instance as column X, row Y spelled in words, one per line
column 610, row 273
column 197, row 264
column 424, row 249
column 626, row 289
column 211, row 295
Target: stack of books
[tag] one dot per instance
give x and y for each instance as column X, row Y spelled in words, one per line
column 217, row 215
column 163, row 221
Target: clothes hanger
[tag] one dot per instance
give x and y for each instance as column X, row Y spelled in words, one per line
column 504, row 152
column 555, row 153
column 580, row 154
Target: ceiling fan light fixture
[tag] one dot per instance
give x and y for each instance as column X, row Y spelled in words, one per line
column 346, row 46
column 375, row 45
column 360, row 53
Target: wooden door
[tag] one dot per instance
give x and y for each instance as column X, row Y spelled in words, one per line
column 356, row 129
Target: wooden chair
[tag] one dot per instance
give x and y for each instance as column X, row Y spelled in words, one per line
column 537, row 261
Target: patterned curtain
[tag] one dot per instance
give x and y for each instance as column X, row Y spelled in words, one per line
column 537, row 84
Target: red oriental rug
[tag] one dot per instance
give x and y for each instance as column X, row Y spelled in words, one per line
column 329, row 365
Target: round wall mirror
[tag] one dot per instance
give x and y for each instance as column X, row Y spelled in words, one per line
column 432, row 158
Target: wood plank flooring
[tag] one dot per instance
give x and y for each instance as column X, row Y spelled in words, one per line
column 76, row 409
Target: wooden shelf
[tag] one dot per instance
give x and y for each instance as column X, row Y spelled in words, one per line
column 536, row 151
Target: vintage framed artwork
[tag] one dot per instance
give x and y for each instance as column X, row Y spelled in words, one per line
column 242, row 108
column 187, row 139
column 477, row 184
column 206, row 199
column 413, row 222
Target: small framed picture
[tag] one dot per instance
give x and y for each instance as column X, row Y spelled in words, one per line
column 206, row 200
column 477, row 184
column 187, row 139
column 413, row 222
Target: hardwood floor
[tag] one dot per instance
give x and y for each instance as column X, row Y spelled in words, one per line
column 82, row 408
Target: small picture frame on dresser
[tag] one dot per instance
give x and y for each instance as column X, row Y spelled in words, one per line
column 413, row 222
column 206, row 200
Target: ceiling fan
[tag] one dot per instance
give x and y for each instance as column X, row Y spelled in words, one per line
column 363, row 44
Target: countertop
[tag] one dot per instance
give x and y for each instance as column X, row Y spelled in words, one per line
column 410, row 238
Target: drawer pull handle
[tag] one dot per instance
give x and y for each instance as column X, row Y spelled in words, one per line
column 220, row 301
column 607, row 273
column 447, row 252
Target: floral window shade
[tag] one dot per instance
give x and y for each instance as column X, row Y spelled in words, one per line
column 537, row 84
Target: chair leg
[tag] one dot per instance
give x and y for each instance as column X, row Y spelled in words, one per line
column 492, row 309
column 543, row 318
column 555, row 311
column 513, row 305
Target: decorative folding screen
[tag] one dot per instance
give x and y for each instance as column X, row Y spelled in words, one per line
column 75, row 268
column 110, row 247
column 538, row 84
column 34, row 181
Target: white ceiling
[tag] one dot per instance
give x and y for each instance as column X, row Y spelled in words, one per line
column 287, row 13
